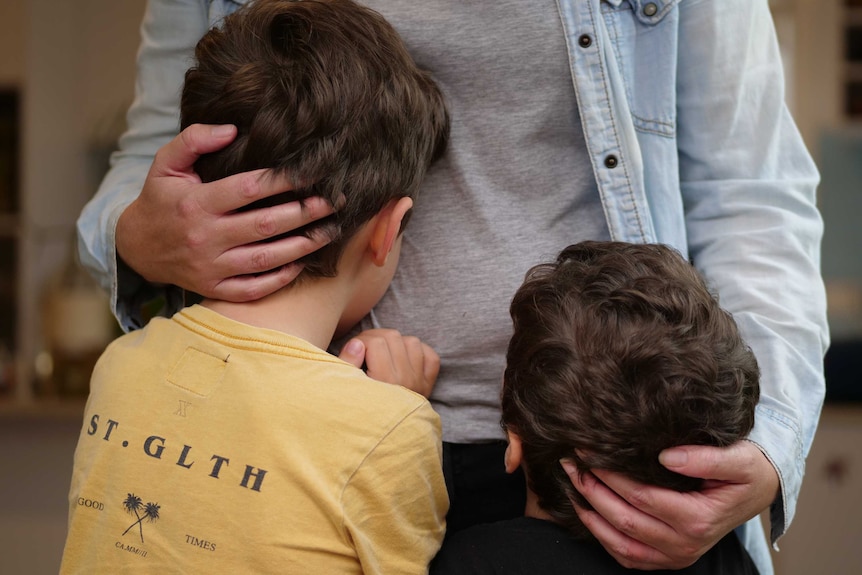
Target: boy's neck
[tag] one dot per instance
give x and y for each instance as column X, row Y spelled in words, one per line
column 319, row 308
column 532, row 508
column 315, row 308
column 310, row 311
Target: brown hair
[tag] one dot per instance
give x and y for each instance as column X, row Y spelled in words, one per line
column 620, row 351
column 325, row 92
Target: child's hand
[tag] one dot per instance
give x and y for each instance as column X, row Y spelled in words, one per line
column 394, row 358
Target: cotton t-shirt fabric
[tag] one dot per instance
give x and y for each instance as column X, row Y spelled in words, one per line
column 210, row 446
column 515, row 187
column 530, row 546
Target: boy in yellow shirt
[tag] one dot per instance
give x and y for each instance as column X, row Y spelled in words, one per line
column 225, row 439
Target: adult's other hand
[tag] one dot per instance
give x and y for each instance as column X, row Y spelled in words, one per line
column 647, row 527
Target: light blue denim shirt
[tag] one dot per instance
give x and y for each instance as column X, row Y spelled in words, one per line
column 682, row 106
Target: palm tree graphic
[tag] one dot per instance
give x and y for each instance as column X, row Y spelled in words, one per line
column 134, row 504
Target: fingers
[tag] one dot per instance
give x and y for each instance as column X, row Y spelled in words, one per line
column 650, row 527
column 731, row 464
column 628, row 552
column 386, row 356
column 243, row 268
column 353, row 353
column 239, row 190
column 623, row 503
column 741, row 481
column 248, row 262
column 424, row 363
column 610, row 522
column 186, row 233
column 431, row 364
column 400, row 360
column 255, row 225
column 252, row 287
column 179, row 155
column 635, row 538
column 630, row 497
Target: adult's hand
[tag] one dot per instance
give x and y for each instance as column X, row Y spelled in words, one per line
column 394, row 358
column 184, row 232
column 648, row 527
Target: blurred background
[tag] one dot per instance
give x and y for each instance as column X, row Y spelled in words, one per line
column 66, row 79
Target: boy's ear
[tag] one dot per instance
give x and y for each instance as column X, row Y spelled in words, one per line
column 387, row 227
column 513, row 452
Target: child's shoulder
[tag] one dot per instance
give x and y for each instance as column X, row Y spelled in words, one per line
column 356, row 388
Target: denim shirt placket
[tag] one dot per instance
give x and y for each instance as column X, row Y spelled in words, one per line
column 610, row 135
column 613, row 144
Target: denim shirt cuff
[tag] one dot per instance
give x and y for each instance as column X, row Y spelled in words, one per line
column 774, row 434
column 139, row 301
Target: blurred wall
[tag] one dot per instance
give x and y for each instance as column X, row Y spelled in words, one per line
column 74, row 65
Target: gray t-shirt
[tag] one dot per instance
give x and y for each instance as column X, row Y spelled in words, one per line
column 515, row 188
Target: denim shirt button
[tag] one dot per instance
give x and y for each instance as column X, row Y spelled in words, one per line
column 650, row 9
column 611, row 162
column 585, row 41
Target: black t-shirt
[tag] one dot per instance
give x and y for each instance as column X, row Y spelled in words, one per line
column 529, row 546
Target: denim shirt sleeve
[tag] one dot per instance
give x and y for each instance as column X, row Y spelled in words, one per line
column 687, row 98
column 748, row 187
column 169, row 32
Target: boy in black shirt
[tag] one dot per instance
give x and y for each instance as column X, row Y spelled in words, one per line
column 619, row 351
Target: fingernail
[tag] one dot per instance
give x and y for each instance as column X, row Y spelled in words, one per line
column 673, row 457
column 568, row 466
column 353, row 347
column 223, row 130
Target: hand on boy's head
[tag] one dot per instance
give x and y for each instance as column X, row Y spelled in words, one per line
column 183, row 232
column 393, row 358
column 648, row 527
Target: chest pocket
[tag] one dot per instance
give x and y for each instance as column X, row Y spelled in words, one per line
column 644, row 35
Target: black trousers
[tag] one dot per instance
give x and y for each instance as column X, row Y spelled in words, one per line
column 480, row 490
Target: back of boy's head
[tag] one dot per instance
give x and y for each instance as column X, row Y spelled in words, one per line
column 325, row 92
column 620, row 351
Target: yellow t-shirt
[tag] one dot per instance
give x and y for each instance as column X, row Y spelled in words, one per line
column 210, row 446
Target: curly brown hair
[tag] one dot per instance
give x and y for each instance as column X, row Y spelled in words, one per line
column 620, row 351
column 325, row 92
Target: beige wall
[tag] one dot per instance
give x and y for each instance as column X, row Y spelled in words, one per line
column 74, row 65
column 818, row 69
column 78, row 78
column 12, row 41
